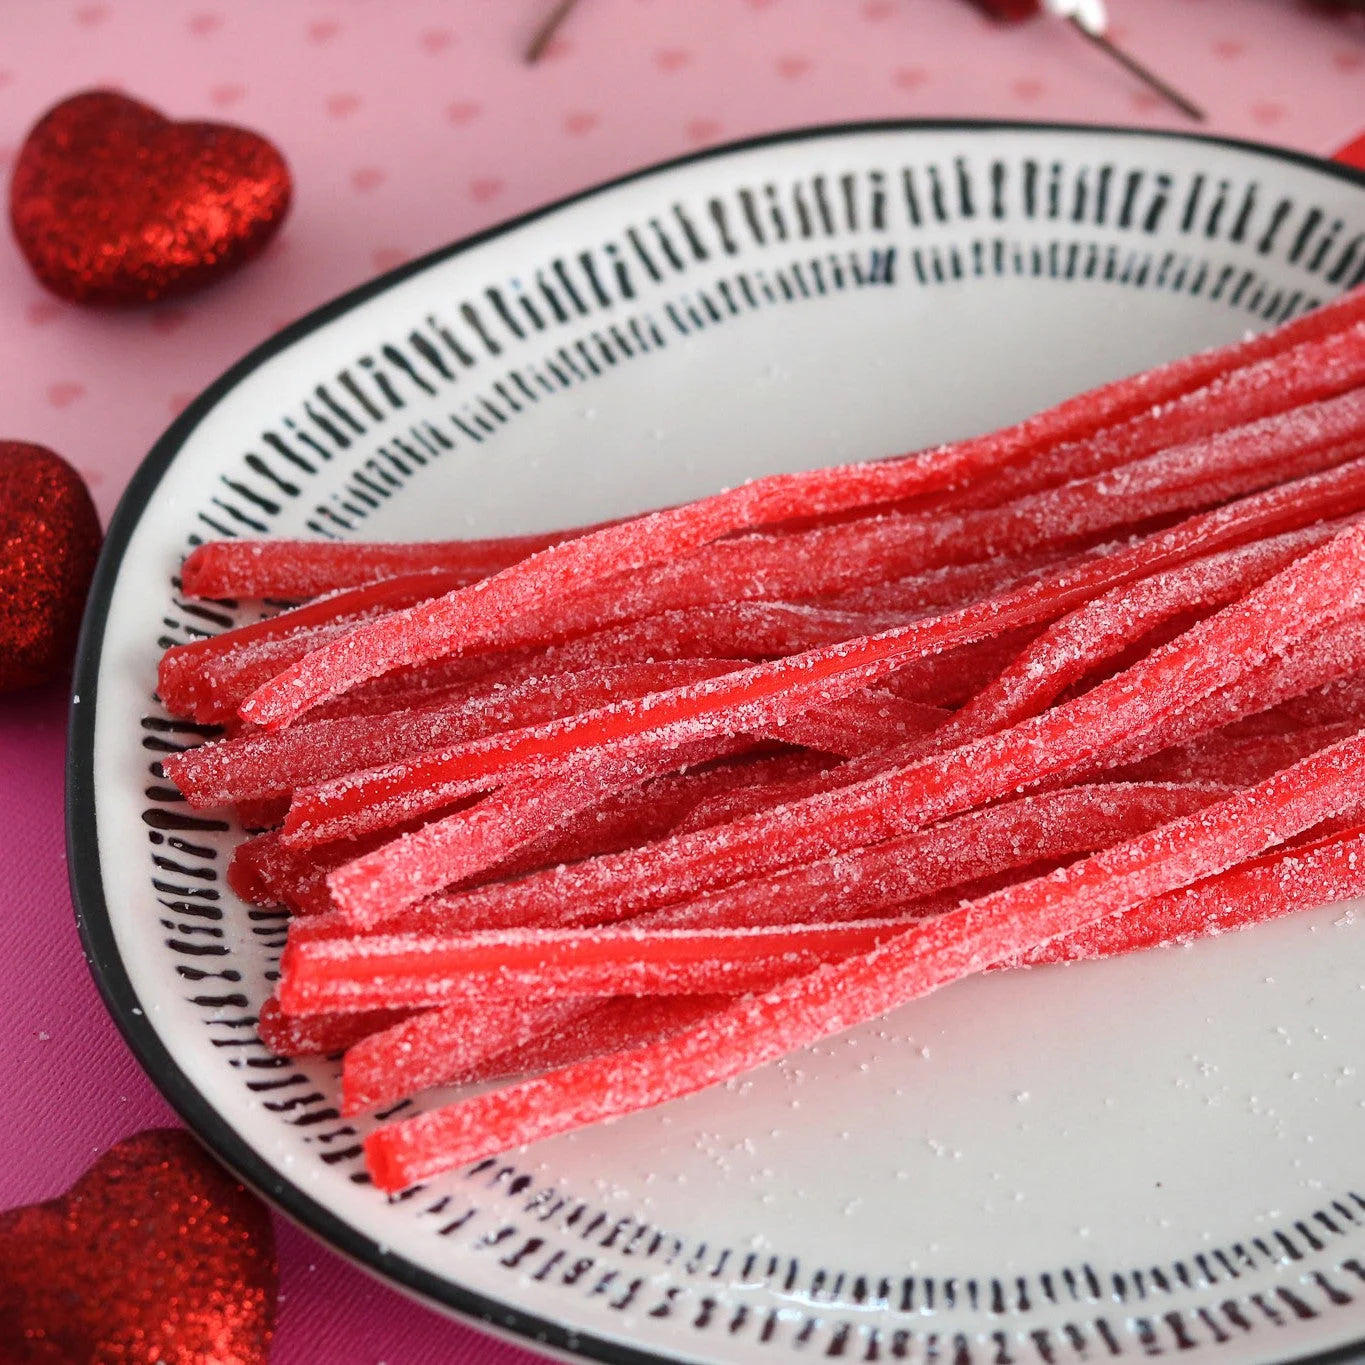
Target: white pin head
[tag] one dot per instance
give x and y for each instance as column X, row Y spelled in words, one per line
column 1089, row 14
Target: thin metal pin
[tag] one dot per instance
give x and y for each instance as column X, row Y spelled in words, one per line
column 547, row 30
column 1149, row 78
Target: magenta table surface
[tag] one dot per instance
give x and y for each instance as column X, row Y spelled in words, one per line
column 407, row 126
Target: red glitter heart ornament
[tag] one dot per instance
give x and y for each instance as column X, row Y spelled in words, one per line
column 49, row 541
column 113, row 203
column 154, row 1255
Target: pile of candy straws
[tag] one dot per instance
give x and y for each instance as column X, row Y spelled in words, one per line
column 624, row 811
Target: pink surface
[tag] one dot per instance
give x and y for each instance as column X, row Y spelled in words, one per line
column 408, row 126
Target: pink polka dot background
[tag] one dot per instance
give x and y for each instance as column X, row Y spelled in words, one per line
column 407, row 126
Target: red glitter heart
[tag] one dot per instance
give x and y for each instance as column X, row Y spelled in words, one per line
column 49, row 541
column 112, row 203
column 154, row 1254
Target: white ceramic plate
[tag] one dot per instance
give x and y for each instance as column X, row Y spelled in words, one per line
column 1160, row 1155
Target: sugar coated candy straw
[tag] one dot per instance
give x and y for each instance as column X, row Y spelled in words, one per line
column 1299, row 878
column 308, row 568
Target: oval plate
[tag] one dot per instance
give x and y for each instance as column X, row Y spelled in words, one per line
column 1154, row 1155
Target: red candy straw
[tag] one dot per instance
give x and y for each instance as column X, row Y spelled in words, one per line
column 757, row 634
column 949, row 679
column 832, row 559
column 732, row 630
column 264, row 764
column 181, row 664
column 247, row 870
column 884, row 878
column 264, row 871
column 670, row 615
column 1300, row 878
column 745, row 630
column 742, row 630
column 739, row 630
column 602, row 1026
column 428, row 1047
column 1179, row 480
column 954, row 585
column 319, row 1035
column 753, row 698
column 925, row 957
column 1313, row 370
column 1341, row 699
column 845, row 726
column 1238, row 760
column 866, row 722
column 227, row 682
column 617, row 887
column 1313, row 592
column 1071, row 647
column 305, row 568
column 1332, row 652
column 470, row 842
column 409, row 970
column 1063, row 654
column 772, row 566
column 848, row 885
column 646, row 811
column 1290, row 879
column 227, row 667
column 451, row 1041
column 574, row 566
